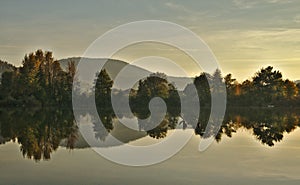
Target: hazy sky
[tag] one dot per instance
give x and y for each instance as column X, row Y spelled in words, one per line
column 245, row 35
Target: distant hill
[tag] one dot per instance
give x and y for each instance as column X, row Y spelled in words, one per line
column 130, row 72
column 297, row 81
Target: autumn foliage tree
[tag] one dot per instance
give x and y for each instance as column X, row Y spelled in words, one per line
column 39, row 81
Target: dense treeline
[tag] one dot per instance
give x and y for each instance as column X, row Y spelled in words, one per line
column 267, row 88
column 41, row 81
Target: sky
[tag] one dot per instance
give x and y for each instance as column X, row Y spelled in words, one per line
column 244, row 35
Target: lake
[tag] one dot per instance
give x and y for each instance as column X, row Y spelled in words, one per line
column 253, row 146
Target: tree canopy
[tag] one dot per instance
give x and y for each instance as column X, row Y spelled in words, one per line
column 41, row 81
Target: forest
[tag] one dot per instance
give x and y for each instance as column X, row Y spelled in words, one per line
column 41, row 82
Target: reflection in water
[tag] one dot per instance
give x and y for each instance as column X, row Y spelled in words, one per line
column 40, row 132
column 267, row 125
column 102, row 130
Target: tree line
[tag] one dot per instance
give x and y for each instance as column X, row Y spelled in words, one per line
column 41, row 81
column 266, row 88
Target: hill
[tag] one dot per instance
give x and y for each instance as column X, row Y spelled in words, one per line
column 128, row 72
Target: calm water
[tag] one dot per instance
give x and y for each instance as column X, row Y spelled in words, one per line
column 254, row 146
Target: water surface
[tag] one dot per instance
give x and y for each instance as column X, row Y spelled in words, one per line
column 253, row 147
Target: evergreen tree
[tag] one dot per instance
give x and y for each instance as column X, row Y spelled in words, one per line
column 103, row 87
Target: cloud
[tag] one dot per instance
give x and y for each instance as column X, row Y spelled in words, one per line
column 8, row 46
column 244, row 4
column 274, row 35
column 247, row 4
column 187, row 14
column 278, row 1
column 177, row 7
column 297, row 19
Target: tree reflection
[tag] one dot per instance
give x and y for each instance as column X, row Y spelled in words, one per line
column 156, row 124
column 102, row 129
column 39, row 132
column 267, row 125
